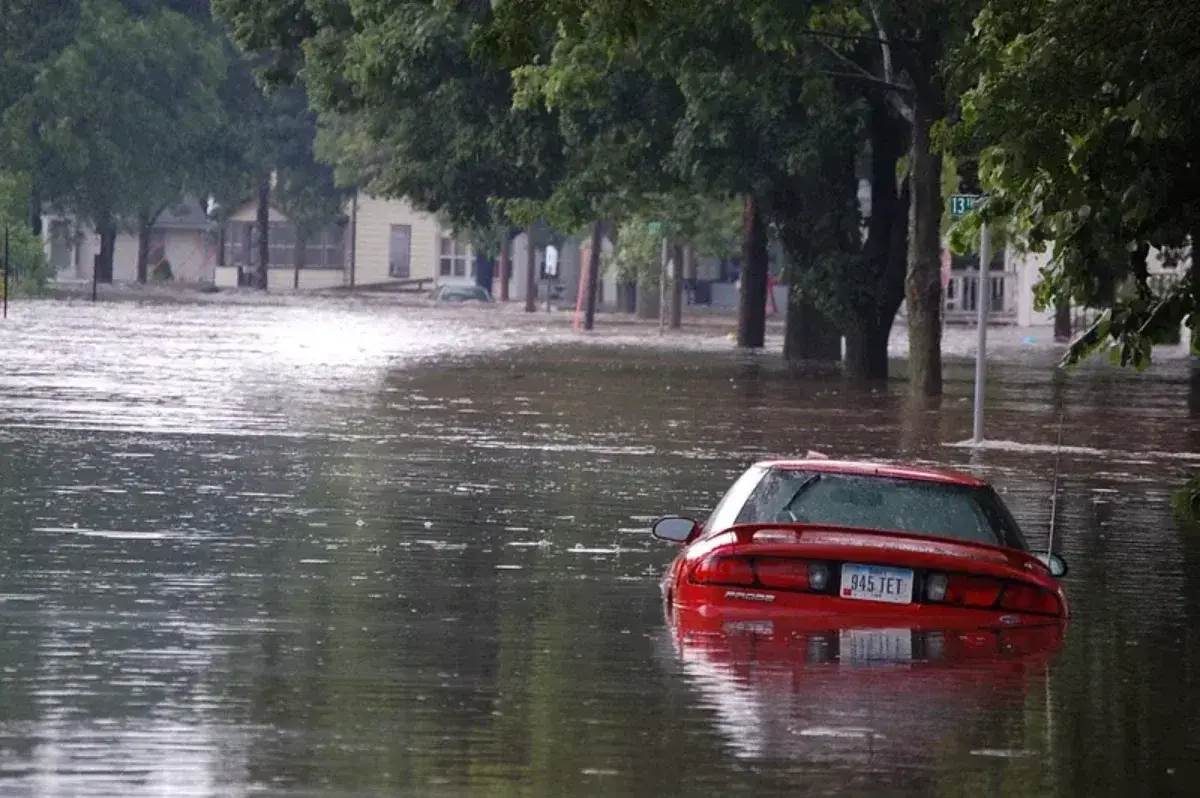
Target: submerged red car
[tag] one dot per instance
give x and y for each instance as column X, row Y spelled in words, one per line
column 937, row 549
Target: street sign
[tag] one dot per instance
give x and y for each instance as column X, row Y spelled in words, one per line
column 551, row 261
column 962, row 204
column 655, row 227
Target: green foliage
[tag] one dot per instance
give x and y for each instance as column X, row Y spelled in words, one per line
column 32, row 34
column 1083, row 119
column 638, row 257
column 162, row 272
column 406, row 110
column 1185, row 504
column 121, row 111
column 29, row 269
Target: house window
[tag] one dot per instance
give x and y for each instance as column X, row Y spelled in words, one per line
column 400, row 252
column 238, row 236
column 281, row 244
column 326, row 250
column 453, row 259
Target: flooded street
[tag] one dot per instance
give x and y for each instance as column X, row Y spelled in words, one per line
column 335, row 549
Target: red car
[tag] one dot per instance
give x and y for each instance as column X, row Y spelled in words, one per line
column 879, row 543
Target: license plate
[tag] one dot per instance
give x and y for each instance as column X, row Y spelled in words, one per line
column 875, row 645
column 876, row 583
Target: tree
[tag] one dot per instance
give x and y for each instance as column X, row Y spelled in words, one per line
column 119, row 114
column 27, row 256
column 1083, row 121
column 373, row 72
column 33, row 33
column 755, row 85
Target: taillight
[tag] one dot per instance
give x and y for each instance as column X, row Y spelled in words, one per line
column 1028, row 598
column 962, row 590
column 971, row 591
column 783, row 574
column 775, row 573
column 718, row 570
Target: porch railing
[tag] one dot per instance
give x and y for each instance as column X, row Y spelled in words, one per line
column 961, row 297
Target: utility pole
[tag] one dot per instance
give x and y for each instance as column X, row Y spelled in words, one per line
column 662, row 289
column 5, row 271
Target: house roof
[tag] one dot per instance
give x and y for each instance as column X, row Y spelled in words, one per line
column 187, row 215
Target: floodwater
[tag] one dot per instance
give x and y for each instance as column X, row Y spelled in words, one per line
column 333, row 549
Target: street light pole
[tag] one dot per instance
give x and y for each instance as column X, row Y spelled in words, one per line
column 5, row 271
column 982, row 296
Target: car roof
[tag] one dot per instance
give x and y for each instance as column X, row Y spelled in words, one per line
column 868, row 468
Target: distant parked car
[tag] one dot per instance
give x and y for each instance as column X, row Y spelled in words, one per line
column 460, row 293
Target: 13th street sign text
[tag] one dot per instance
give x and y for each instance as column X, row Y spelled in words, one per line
column 962, row 204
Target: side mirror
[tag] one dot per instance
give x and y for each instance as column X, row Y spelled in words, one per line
column 1056, row 564
column 674, row 529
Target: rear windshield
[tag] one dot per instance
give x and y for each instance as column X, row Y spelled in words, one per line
column 958, row 512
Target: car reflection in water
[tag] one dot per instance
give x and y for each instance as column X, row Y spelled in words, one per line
column 873, row 694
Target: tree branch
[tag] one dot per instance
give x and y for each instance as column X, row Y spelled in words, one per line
column 862, row 73
column 855, row 37
column 870, row 80
column 885, row 47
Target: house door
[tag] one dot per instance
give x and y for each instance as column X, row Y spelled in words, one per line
column 400, row 252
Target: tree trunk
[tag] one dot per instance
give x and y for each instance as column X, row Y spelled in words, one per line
column 676, row 317
column 35, row 209
column 35, row 193
column 108, row 248
column 593, row 276
column 301, row 255
column 648, row 302
column 485, row 269
column 1062, row 320
column 143, row 253
column 809, row 335
column 752, row 309
column 886, row 250
column 924, row 283
column 867, row 351
column 505, row 265
column 530, row 272
column 627, row 294
column 261, row 279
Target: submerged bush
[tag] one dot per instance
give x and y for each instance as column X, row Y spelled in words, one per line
column 28, row 268
column 162, row 272
column 1185, row 504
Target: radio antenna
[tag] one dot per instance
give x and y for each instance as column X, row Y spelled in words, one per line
column 1054, row 494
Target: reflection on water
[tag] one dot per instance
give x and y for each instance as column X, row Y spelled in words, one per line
column 858, row 700
column 345, row 550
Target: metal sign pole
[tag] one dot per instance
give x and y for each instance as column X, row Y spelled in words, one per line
column 5, row 272
column 662, row 290
column 983, row 295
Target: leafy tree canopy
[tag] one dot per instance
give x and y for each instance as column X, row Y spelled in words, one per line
column 1083, row 119
column 121, row 109
column 415, row 114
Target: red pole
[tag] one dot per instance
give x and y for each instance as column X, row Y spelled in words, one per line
column 585, row 254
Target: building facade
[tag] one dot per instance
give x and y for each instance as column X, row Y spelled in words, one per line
column 182, row 238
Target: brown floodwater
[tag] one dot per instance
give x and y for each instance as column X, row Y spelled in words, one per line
column 345, row 549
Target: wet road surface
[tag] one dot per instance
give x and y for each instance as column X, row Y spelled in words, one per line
column 336, row 550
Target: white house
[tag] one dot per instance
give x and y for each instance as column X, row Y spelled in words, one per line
column 182, row 236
